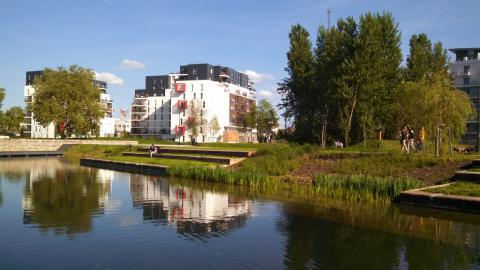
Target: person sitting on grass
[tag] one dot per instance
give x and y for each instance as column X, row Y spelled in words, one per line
column 152, row 149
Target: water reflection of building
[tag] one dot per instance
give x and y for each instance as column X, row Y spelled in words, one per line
column 191, row 210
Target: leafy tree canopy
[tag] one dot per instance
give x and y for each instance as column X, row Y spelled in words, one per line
column 68, row 98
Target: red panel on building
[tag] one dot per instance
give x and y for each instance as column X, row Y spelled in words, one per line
column 180, row 87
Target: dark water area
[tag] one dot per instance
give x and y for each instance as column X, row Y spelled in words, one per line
column 58, row 215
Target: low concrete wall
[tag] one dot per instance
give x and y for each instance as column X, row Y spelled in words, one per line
column 52, row 145
column 124, row 166
column 418, row 197
column 195, row 158
column 467, row 176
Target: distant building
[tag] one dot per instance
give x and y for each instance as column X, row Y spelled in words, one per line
column 35, row 130
column 122, row 125
column 466, row 72
column 162, row 108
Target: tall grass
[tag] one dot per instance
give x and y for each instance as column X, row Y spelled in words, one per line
column 251, row 178
column 277, row 159
column 362, row 187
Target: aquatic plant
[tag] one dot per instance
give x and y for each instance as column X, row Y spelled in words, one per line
column 362, row 187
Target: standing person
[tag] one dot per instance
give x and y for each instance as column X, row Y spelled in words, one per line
column 411, row 139
column 403, row 139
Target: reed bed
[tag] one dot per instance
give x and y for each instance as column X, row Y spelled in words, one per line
column 251, row 178
column 362, row 187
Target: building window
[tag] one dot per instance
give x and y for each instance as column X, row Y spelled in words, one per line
column 201, row 87
column 183, row 113
column 183, row 95
column 201, row 95
column 162, row 102
column 201, row 130
column 181, row 121
column 466, row 81
column 204, row 104
column 194, row 71
column 154, row 117
column 192, row 87
column 194, row 95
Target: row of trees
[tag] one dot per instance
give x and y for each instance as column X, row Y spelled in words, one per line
column 11, row 119
column 353, row 83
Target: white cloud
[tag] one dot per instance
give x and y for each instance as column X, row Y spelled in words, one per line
column 131, row 64
column 258, row 77
column 265, row 93
column 109, row 78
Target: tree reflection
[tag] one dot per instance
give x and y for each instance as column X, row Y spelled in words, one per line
column 316, row 242
column 64, row 203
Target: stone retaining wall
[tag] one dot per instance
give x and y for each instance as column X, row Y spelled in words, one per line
column 421, row 198
column 52, row 144
column 124, row 166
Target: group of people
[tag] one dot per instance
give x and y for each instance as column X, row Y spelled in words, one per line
column 407, row 140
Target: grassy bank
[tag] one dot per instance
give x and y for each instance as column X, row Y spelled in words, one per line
column 458, row 188
column 114, row 152
column 356, row 173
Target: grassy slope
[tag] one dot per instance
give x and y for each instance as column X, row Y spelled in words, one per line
column 458, row 188
column 115, row 153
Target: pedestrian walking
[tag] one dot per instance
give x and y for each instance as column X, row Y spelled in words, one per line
column 411, row 140
column 403, row 140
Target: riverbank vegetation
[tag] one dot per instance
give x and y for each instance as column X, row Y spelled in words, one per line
column 458, row 188
column 350, row 85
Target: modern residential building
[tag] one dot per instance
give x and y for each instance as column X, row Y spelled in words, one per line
column 164, row 106
column 35, row 130
column 122, row 125
column 466, row 72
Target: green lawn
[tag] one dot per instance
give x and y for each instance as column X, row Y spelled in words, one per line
column 458, row 188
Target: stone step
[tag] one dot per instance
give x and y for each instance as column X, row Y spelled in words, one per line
column 220, row 160
column 476, row 162
column 467, row 176
column 213, row 152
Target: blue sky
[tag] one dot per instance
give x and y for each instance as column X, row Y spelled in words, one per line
column 125, row 40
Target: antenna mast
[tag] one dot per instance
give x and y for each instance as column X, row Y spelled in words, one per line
column 328, row 16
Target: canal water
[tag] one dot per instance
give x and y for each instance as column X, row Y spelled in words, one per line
column 57, row 215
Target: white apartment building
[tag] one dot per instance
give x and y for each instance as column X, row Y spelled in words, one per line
column 163, row 108
column 107, row 123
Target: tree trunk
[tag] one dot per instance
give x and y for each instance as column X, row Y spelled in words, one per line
column 349, row 122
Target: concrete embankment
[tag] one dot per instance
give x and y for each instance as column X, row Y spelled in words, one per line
column 422, row 198
column 124, row 166
column 51, row 144
column 202, row 151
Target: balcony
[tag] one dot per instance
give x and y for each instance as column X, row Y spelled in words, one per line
column 28, row 99
column 180, row 130
column 182, row 104
column 464, row 73
column 180, row 87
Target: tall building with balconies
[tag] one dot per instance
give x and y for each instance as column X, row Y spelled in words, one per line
column 162, row 109
column 466, row 73
column 34, row 130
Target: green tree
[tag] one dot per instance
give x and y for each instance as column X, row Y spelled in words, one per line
column 2, row 96
column 266, row 117
column 214, row 125
column 298, row 88
column 13, row 118
column 419, row 61
column 196, row 119
column 68, row 98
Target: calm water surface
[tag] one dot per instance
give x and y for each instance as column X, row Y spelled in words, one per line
column 55, row 215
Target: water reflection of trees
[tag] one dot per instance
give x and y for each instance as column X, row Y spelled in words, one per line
column 64, row 202
column 194, row 212
column 345, row 238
